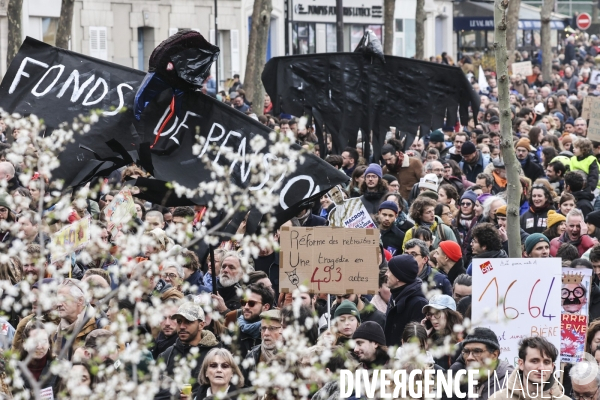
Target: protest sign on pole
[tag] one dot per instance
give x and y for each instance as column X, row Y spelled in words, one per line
column 120, row 210
column 69, row 239
column 594, row 117
column 329, row 260
column 349, row 213
column 512, row 297
column 522, row 68
column 575, row 300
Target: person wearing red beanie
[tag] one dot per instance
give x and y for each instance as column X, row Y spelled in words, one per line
column 448, row 258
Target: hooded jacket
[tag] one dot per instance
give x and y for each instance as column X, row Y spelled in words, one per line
column 535, row 221
column 436, row 280
column 488, row 387
column 406, row 304
column 515, row 389
column 532, row 169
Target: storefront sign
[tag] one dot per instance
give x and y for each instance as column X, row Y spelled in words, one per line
column 487, row 24
column 355, row 11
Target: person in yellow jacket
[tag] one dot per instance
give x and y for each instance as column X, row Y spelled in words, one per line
column 534, row 377
column 422, row 212
column 585, row 160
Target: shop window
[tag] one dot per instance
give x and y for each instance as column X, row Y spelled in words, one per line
column 304, row 38
column 331, row 38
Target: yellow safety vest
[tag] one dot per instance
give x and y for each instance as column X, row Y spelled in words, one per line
column 584, row 165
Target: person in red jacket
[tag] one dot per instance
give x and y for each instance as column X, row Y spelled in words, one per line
column 573, row 235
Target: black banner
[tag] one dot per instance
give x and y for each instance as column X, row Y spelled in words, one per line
column 59, row 85
column 348, row 91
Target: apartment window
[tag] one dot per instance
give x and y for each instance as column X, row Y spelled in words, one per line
column 49, row 29
column 98, row 42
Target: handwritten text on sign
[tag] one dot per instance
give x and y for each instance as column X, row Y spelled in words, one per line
column 594, row 116
column 517, row 298
column 329, row 260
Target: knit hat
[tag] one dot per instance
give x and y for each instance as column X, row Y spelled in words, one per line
column 554, row 218
column 560, row 116
column 482, row 335
column 562, row 92
column 430, row 194
column 370, row 331
column 469, row 195
column 347, row 307
column 534, row 239
column 468, row 148
column 440, row 302
column 389, row 178
column 593, row 218
column 4, row 202
column 501, row 210
column 429, row 181
column 389, row 205
column 451, row 249
column 539, row 108
column 481, row 199
column 436, row 136
column 524, row 142
column 404, row 268
column 374, row 169
column 570, row 121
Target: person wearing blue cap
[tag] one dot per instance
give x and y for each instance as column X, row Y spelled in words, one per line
column 391, row 236
column 407, row 299
column 373, row 189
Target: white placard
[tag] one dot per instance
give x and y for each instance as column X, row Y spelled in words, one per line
column 516, row 298
column 595, row 77
column 524, row 68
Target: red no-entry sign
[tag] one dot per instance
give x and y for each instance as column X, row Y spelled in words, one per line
column 584, row 21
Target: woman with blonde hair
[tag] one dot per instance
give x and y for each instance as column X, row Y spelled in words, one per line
column 219, row 374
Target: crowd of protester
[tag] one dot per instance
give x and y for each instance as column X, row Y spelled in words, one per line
column 439, row 203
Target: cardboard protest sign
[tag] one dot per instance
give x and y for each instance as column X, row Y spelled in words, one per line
column 522, row 68
column 69, row 239
column 329, row 260
column 514, row 299
column 120, row 210
column 575, row 300
column 349, row 213
column 594, row 77
column 593, row 132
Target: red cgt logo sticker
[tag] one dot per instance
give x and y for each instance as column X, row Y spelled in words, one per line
column 486, row 267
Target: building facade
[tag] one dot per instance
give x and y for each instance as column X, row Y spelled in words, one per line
column 126, row 31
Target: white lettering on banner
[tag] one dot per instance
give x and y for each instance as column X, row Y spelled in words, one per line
column 73, row 78
column 182, row 124
column 49, row 88
column 21, row 72
column 77, row 90
column 87, row 102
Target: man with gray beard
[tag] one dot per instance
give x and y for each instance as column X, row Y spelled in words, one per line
column 228, row 283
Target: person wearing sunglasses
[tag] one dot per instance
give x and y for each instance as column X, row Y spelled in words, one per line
column 216, row 373
column 258, row 299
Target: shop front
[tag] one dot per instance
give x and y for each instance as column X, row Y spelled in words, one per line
column 313, row 28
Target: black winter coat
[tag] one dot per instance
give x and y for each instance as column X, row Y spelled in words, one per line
column 532, row 169
column 406, row 304
column 584, row 200
column 535, row 222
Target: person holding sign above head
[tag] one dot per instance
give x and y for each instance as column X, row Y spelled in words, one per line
column 391, row 236
column 534, row 376
column 407, row 299
column 481, row 352
column 573, row 294
column 537, row 246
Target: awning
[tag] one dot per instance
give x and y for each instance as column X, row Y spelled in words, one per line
column 479, row 16
column 487, row 24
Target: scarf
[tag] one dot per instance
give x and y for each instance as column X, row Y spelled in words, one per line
column 428, row 225
column 249, row 328
column 565, row 239
column 500, row 181
column 267, row 355
column 523, row 162
column 538, row 210
column 373, row 195
column 37, row 366
column 465, row 221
